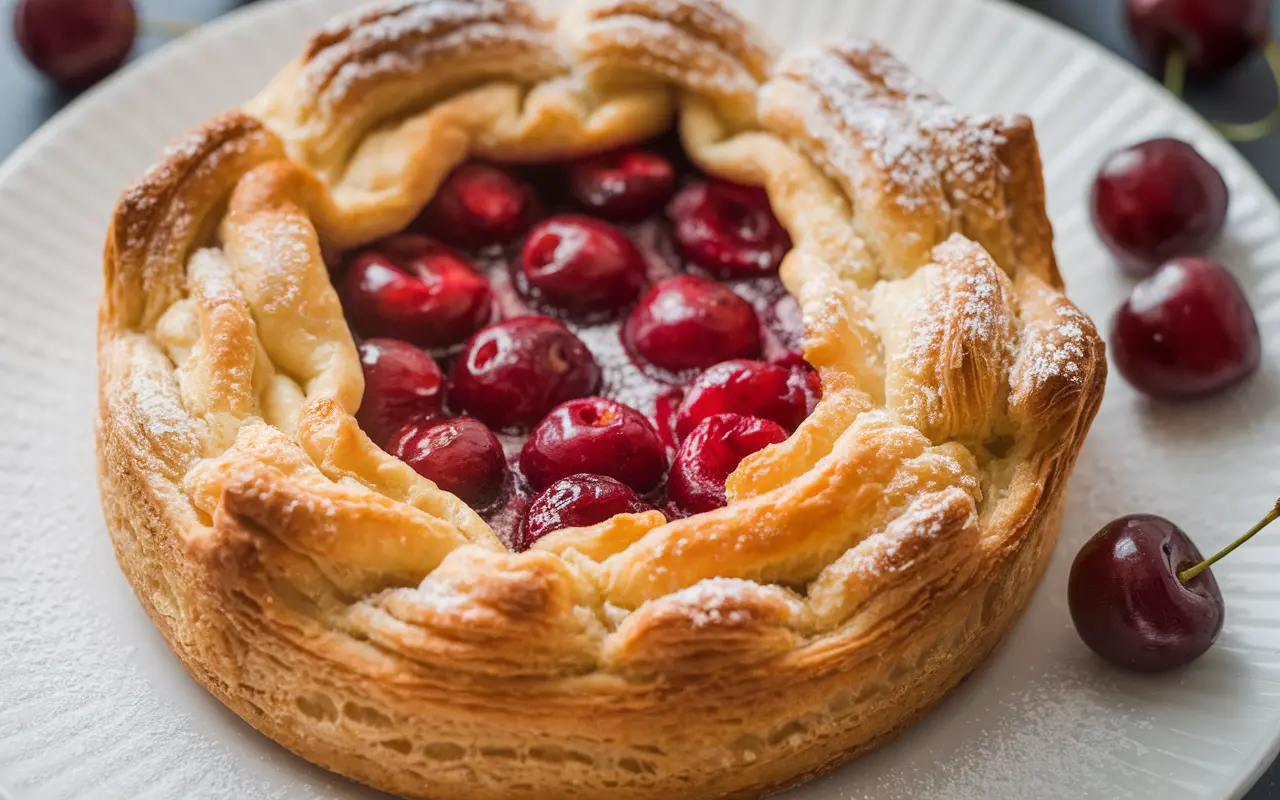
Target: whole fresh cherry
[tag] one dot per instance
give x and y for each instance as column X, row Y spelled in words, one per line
column 580, row 266
column 576, row 502
column 750, row 388
column 597, row 436
column 459, row 455
column 75, row 42
column 510, row 374
column 1186, row 330
column 412, row 288
column 1158, row 200
column 622, row 186
column 478, row 205
column 1128, row 603
column 710, row 454
column 728, row 230
column 402, row 384
column 689, row 323
column 1214, row 35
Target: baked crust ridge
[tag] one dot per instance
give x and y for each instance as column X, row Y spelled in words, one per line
column 374, row 624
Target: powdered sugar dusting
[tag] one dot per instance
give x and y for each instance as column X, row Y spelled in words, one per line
column 716, row 601
column 1054, row 349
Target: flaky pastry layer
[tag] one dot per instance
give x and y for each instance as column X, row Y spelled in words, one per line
column 374, row 624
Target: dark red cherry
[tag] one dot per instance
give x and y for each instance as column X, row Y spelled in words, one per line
column 479, row 205
column 710, row 454
column 576, row 502
column 688, row 323
column 402, row 384
column 750, row 388
column 1128, row 603
column 728, row 230
column 460, row 455
column 1186, row 330
column 1158, row 200
column 512, row 373
column 623, row 186
column 596, row 436
column 414, row 289
column 75, row 42
column 1215, row 35
column 580, row 266
column 805, row 376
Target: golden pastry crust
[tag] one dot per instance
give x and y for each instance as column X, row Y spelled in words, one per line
column 374, row 624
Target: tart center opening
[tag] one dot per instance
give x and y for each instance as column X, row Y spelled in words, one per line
column 560, row 343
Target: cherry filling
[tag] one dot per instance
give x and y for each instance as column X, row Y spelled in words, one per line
column 728, row 230
column 575, row 502
column 402, row 384
column 710, row 454
column 512, row 373
column 460, row 455
column 412, row 288
column 669, row 337
column 580, row 266
column 597, row 436
column 689, row 323
column 624, row 186
column 479, row 205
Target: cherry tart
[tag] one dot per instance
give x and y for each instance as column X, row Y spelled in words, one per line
column 494, row 390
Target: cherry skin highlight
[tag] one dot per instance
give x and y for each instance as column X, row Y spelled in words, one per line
column 402, row 384
column 710, row 454
column 412, row 288
column 727, row 230
column 576, row 502
column 597, row 436
column 1128, row 603
column 511, row 373
column 623, row 186
column 479, row 205
column 689, row 323
column 580, row 266
column 1186, row 331
column 1158, row 200
column 750, row 388
column 460, row 455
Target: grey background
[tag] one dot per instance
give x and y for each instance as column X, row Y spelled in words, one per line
column 27, row 101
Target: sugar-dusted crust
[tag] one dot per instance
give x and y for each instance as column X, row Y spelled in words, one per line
column 374, row 624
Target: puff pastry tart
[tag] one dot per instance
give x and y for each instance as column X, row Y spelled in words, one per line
column 504, row 405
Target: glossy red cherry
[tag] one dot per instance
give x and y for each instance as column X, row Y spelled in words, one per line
column 479, row 205
column 460, row 455
column 597, row 436
column 576, row 502
column 688, row 323
column 750, row 388
column 1158, row 200
column 806, row 376
column 1128, row 603
column 75, row 42
column 1186, row 330
column 623, row 186
column 414, row 289
column 1214, row 35
column 512, row 373
column 402, row 384
column 710, row 454
column 728, row 230
column 580, row 266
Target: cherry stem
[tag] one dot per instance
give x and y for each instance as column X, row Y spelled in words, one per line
column 1188, row 574
column 1175, row 80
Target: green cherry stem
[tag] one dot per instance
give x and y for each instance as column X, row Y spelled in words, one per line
column 1175, row 80
column 1191, row 572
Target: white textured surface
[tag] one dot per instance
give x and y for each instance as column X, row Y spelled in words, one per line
column 93, row 705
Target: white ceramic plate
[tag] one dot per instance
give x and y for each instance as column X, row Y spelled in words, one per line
column 92, row 704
